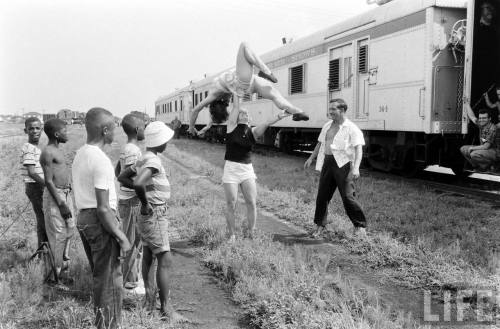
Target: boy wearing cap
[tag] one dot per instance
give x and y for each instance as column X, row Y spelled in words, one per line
column 153, row 190
column 128, row 203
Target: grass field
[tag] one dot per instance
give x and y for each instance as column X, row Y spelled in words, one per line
column 416, row 236
column 420, row 238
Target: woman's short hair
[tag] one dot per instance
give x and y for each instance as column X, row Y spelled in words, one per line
column 218, row 110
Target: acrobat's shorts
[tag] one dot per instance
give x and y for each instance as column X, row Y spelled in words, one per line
column 237, row 173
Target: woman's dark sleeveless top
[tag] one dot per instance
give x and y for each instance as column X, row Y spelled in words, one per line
column 239, row 144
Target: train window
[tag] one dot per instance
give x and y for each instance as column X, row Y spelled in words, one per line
column 334, row 74
column 347, row 72
column 195, row 99
column 297, row 79
column 363, row 59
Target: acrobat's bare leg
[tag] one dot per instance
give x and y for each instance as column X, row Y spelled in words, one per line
column 267, row 91
column 246, row 60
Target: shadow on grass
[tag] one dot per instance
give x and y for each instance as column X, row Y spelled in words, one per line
column 302, row 239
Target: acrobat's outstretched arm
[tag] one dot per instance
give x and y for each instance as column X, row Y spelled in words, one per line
column 212, row 96
column 205, row 129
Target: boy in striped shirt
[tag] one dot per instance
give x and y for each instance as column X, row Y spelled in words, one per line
column 153, row 190
column 32, row 173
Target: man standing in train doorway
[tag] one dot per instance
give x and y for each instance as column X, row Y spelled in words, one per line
column 339, row 152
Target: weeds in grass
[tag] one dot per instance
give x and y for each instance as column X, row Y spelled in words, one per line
column 277, row 286
column 418, row 239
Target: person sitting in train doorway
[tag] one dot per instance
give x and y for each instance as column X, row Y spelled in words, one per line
column 241, row 81
column 238, row 169
column 339, row 152
column 483, row 156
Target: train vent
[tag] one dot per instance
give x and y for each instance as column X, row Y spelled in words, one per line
column 334, row 75
column 363, row 59
column 297, row 79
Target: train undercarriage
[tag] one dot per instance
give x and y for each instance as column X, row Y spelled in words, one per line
column 405, row 153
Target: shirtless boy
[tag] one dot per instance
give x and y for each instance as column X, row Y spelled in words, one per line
column 57, row 201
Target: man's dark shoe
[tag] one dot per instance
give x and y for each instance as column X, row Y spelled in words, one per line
column 269, row 76
column 301, row 116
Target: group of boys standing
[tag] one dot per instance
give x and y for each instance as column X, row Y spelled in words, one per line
column 110, row 227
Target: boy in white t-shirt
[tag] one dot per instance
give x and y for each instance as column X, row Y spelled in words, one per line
column 98, row 225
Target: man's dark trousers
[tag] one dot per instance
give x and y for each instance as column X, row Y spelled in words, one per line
column 331, row 178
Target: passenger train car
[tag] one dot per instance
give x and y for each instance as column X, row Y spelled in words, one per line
column 403, row 68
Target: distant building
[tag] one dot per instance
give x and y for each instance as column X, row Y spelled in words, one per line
column 33, row 114
column 66, row 115
column 47, row 116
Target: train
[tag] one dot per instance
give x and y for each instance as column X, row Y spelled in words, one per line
column 404, row 68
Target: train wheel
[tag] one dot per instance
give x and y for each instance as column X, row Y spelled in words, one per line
column 411, row 168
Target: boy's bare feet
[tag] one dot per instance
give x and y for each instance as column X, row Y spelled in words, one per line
column 171, row 317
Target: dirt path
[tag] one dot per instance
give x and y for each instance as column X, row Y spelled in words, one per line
column 338, row 257
column 197, row 295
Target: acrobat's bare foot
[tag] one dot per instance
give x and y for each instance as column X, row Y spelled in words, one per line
column 269, row 76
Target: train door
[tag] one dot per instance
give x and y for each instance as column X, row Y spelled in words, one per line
column 362, row 79
column 482, row 69
column 340, row 77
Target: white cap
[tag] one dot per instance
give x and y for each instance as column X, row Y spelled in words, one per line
column 157, row 133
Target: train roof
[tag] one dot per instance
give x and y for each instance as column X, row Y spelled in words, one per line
column 376, row 16
column 379, row 15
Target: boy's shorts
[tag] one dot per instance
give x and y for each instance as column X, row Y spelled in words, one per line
column 154, row 229
column 58, row 229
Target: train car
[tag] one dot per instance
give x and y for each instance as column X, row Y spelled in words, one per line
column 404, row 69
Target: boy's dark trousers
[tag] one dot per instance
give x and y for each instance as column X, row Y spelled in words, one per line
column 102, row 251
column 34, row 191
column 330, row 178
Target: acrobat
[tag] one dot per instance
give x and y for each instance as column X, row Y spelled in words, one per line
column 240, row 81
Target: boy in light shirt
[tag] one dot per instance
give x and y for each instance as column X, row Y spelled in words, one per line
column 128, row 203
column 32, row 173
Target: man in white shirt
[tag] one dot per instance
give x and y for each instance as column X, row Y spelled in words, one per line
column 99, row 228
column 339, row 152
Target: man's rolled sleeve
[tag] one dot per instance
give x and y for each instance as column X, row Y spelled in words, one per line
column 357, row 137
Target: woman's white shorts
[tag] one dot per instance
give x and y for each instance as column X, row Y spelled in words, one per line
column 237, row 173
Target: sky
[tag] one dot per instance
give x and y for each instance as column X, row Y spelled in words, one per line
column 123, row 55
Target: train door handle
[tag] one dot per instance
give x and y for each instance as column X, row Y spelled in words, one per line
column 421, row 104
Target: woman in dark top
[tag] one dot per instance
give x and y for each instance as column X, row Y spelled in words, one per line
column 238, row 169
